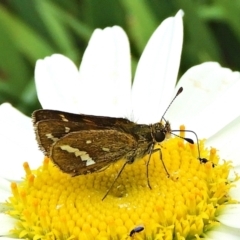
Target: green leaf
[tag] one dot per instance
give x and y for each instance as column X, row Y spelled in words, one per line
column 141, row 22
column 27, row 41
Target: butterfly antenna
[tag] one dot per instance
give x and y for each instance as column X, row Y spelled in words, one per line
column 178, row 92
column 189, row 140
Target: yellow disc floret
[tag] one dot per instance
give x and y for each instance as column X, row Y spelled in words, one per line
column 50, row 204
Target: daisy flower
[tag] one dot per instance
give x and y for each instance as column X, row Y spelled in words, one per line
column 198, row 200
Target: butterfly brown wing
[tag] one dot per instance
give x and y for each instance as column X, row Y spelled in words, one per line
column 87, row 151
column 51, row 125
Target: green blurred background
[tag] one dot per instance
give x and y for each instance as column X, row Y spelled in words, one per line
column 33, row 29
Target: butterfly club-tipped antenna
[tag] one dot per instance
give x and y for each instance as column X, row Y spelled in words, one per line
column 189, row 140
column 178, row 92
column 166, row 130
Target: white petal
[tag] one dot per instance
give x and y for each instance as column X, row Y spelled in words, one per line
column 4, row 185
column 4, row 190
column 56, row 80
column 227, row 141
column 235, row 191
column 223, row 233
column 4, row 195
column 18, row 138
column 205, row 105
column 6, row 223
column 157, row 71
column 8, row 238
column 105, row 74
column 229, row 214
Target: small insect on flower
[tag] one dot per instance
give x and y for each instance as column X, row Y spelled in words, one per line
column 136, row 230
column 82, row 144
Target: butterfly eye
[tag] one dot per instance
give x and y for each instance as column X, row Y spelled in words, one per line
column 159, row 136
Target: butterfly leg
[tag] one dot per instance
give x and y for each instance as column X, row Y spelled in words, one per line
column 119, row 173
column 151, row 151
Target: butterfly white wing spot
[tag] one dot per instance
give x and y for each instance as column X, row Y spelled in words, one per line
column 67, row 129
column 63, row 118
column 89, row 162
column 82, row 154
column 50, row 136
column 88, row 141
column 106, row 149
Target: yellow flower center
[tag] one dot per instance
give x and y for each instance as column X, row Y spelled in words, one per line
column 50, row 204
